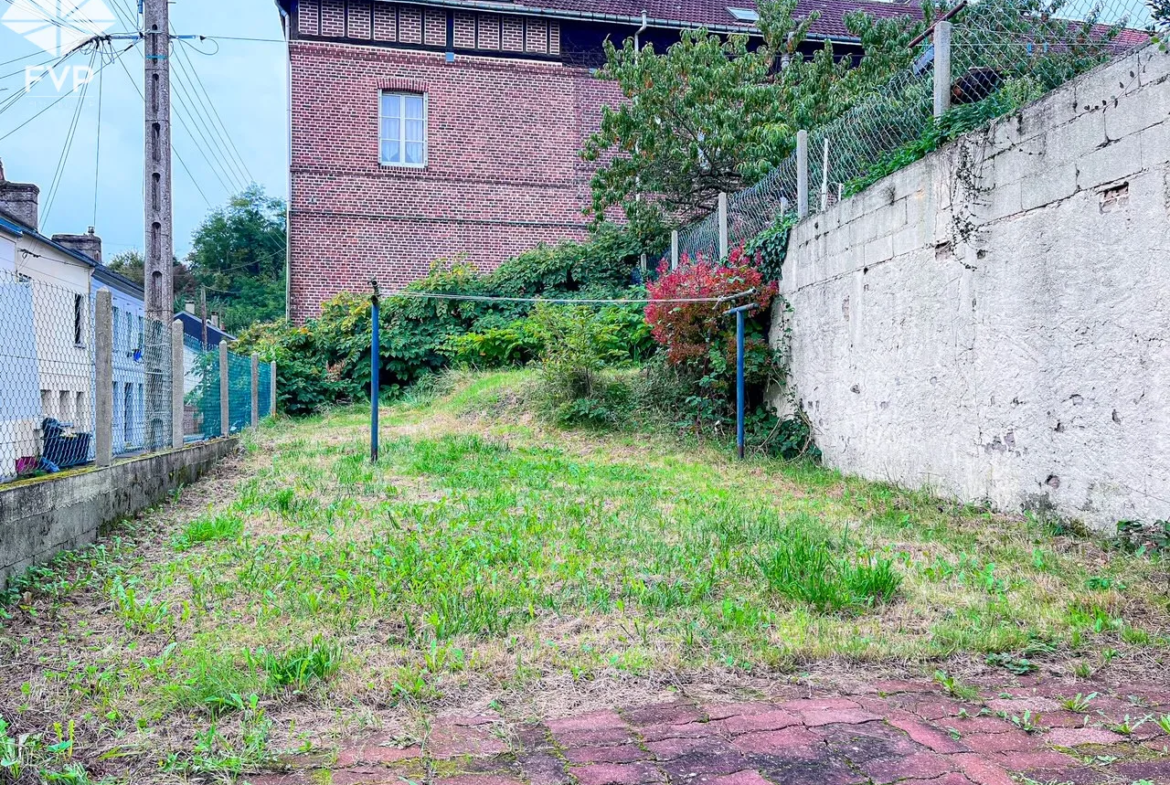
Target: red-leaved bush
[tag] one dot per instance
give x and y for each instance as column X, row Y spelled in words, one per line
column 688, row 331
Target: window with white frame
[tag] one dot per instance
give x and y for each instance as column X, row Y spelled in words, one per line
column 404, row 129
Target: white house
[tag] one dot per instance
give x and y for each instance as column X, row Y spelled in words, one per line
column 46, row 324
column 129, row 375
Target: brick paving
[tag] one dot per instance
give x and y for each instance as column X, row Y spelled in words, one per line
column 894, row 732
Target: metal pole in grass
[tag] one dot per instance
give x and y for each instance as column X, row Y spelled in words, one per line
column 375, row 363
column 739, row 393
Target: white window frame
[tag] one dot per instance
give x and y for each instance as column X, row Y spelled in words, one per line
column 402, row 95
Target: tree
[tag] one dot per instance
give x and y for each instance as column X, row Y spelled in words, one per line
column 130, row 264
column 713, row 114
column 238, row 253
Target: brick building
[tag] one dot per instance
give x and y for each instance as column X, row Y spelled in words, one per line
column 446, row 129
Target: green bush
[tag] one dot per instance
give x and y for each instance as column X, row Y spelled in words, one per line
column 328, row 359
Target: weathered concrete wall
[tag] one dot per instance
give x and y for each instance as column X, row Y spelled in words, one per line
column 41, row 518
column 993, row 322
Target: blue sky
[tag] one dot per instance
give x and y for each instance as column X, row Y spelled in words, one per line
column 245, row 82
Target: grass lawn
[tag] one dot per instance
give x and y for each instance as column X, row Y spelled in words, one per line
column 302, row 593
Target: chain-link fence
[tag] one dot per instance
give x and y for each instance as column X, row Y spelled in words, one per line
column 51, row 344
column 47, row 395
column 1003, row 53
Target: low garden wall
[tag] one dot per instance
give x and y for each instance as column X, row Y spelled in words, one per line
column 40, row 518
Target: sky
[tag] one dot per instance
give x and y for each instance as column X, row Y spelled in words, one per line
column 229, row 96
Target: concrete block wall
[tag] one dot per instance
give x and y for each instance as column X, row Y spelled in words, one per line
column 993, row 322
column 41, row 518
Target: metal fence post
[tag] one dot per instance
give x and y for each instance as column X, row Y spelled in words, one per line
column 375, row 368
column 825, row 178
column 177, row 387
column 723, row 249
column 255, row 391
column 104, row 378
column 272, row 389
column 674, row 250
column 942, row 68
column 801, row 174
column 225, row 412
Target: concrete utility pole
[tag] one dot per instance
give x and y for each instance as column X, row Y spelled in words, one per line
column 159, row 230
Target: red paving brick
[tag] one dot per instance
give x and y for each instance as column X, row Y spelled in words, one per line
column 769, row 720
column 902, row 733
column 617, row 774
column 919, row 767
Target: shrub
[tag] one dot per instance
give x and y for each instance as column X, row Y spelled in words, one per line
column 328, row 359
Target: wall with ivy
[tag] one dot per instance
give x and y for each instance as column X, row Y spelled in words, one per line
column 993, row 321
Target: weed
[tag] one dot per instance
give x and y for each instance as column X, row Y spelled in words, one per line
column 1164, row 723
column 207, row 529
column 298, row 667
column 1127, row 725
column 956, row 688
column 1027, row 722
column 805, row 568
column 1079, row 703
column 1010, row 662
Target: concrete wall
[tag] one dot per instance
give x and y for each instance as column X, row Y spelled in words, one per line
column 43, row 517
column 993, row 322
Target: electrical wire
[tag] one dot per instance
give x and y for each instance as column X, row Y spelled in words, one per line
column 97, row 158
column 59, row 100
column 567, row 301
column 175, row 150
column 63, row 162
column 183, row 46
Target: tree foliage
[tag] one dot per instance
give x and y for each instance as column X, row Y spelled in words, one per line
column 238, row 253
column 712, row 114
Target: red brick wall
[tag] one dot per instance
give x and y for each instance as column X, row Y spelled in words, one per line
column 503, row 174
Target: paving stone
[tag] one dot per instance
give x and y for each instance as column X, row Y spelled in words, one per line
column 721, row 711
column 663, row 714
column 982, row 771
column 747, row 723
column 924, row 765
column 691, row 765
column 817, row 717
column 796, row 742
column 689, row 731
column 375, row 753
column 1023, row 761
column 595, row 720
column 1064, row 719
column 1012, row 741
column 824, row 771
column 1154, row 771
column 954, row 778
column 1161, row 745
column 617, row 774
column 455, row 741
column 1072, row 737
column 893, row 687
column 818, row 704
column 277, row 779
column 923, row 734
column 477, row 779
column 467, row 720
column 937, row 708
column 749, row 777
column 364, row 776
column 533, row 737
column 862, row 743
column 669, row 749
column 623, row 753
column 594, row 738
column 543, row 769
column 984, row 725
column 1019, row 705
column 1068, row 776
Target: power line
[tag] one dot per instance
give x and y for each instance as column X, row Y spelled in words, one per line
column 179, row 157
column 59, row 100
column 214, row 110
column 59, row 175
column 97, row 158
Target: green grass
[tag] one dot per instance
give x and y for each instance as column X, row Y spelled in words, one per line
column 486, row 554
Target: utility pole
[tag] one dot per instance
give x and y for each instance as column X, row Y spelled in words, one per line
column 159, row 227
